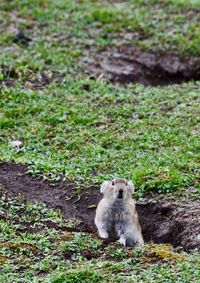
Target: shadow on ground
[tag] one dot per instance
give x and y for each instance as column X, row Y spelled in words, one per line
column 162, row 222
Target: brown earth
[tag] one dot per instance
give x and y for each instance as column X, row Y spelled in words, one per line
column 128, row 64
column 161, row 221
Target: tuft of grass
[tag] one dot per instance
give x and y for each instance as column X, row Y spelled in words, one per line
column 85, row 276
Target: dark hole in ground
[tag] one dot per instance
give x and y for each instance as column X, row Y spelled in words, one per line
column 161, row 222
column 22, row 39
column 128, row 64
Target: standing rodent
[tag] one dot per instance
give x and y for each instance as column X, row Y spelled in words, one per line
column 116, row 217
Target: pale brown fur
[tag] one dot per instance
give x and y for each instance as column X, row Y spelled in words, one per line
column 116, row 216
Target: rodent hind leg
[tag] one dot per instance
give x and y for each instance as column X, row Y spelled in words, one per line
column 122, row 240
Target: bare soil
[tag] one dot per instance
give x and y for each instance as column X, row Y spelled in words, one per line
column 162, row 222
column 128, row 64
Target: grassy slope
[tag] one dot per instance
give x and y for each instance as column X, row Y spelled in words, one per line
column 91, row 130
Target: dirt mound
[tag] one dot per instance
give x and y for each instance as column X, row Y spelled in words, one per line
column 128, row 64
column 162, row 222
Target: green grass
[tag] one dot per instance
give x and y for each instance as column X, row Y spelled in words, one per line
column 35, row 246
column 145, row 134
column 90, row 130
column 61, row 30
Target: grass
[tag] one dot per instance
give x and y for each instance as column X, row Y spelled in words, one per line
column 36, row 246
column 90, row 130
column 145, row 134
column 62, row 30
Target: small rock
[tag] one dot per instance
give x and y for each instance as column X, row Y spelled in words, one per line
column 16, row 143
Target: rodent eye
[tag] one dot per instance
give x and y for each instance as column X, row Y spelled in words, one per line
column 113, row 183
column 126, row 183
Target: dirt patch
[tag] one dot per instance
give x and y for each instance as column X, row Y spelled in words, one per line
column 15, row 181
column 162, row 222
column 128, row 64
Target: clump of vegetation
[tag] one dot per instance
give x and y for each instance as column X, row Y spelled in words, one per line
column 85, row 276
column 161, row 252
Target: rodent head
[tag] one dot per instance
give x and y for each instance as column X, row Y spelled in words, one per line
column 118, row 188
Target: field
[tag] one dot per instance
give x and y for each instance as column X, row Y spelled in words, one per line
column 91, row 90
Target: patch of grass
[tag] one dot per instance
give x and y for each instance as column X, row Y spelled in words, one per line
column 149, row 135
column 63, row 31
column 79, row 242
column 85, row 276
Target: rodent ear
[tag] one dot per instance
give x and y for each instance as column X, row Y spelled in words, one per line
column 103, row 186
column 131, row 185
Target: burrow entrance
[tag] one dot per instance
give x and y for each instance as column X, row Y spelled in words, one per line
column 162, row 222
column 128, row 64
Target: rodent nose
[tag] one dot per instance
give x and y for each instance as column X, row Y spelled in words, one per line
column 120, row 193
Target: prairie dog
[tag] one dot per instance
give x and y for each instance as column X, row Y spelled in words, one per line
column 116, row 217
